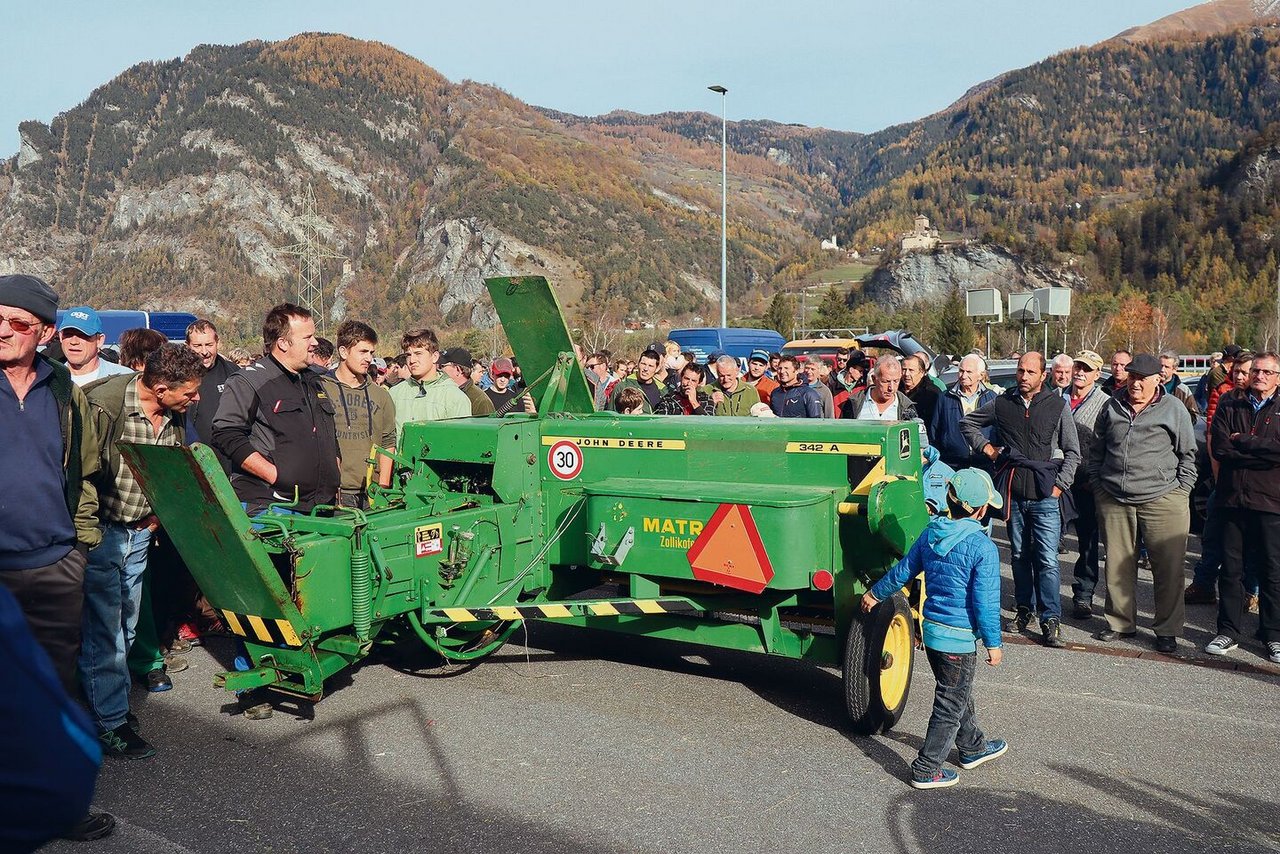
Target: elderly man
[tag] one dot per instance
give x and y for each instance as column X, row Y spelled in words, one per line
column 80, row 336
column 813, row 366
column 1246, row 443
column 1143, row 467
column 732, row 396
column 794, row 397
column 1061, row 371
column 1035, row 452
column 275, row 423
column 1086, row 400
column 881, row 400
column 965, row 395
column 48, row 518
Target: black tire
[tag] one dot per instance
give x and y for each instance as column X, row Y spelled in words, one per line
column 865, row 670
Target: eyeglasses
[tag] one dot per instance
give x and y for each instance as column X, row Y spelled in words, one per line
column 22, row 327
column 1264, row 372
column 591, row 365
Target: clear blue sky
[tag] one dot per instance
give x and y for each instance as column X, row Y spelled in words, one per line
column 853, row 65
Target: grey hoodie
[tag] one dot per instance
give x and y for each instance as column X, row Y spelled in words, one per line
column 1140, row 458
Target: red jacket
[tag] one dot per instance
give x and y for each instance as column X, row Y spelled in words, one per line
column 1218, row 392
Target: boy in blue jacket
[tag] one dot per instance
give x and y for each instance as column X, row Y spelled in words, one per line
column 962, row 574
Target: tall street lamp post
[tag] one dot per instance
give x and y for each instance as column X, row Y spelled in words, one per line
column 724, row 206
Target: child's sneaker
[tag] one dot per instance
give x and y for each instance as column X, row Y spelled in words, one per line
column 990, row 751
column 940, row 779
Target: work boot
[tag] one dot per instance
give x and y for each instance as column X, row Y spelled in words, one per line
column 1082, row 609
column 1197, row 595
column 1021, row 619
column 1052, row 630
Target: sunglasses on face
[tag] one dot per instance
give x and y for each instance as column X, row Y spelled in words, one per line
column 22, row 327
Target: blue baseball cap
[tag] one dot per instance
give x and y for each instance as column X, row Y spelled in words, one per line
column 762, row 355
column 82, row 319
column 972, row 488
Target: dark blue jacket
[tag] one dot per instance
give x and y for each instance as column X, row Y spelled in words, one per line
column 797, row 401
column 951, row 445
column 961, row 569
column 51, row 753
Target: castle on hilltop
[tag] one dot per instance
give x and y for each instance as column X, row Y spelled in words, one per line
column 922, row 237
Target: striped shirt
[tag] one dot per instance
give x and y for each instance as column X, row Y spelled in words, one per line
column 125, row 502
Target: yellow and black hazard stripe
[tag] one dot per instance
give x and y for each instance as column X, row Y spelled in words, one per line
column 564, row 610
column 276, row 632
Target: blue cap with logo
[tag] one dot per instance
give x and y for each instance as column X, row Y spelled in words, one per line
column 972, row 488
column 82, row 318
column 761, row 355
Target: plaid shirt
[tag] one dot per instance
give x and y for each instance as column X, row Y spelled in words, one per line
column 125, row 502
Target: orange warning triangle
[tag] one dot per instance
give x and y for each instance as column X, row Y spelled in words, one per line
column 729, row 551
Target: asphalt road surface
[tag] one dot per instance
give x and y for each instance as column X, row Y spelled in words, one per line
column 577, row 740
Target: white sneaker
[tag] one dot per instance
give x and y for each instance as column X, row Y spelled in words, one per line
column 1273, row 652
column 1220, row 645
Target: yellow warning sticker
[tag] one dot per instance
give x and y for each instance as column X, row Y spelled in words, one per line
column 618, row 443
column 853, row 449
column 427, row 540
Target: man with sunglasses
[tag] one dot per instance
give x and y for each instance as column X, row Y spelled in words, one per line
column 48, row 514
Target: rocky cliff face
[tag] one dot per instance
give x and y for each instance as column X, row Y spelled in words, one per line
column 932, row 276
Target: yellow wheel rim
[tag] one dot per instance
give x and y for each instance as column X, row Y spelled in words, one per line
column 895, row 662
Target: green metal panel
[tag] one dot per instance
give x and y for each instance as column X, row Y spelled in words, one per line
column 534, row 323
column 194, row 501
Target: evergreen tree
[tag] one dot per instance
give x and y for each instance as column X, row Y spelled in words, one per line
column 834, row 312
column 781, row 316
column 954, row 334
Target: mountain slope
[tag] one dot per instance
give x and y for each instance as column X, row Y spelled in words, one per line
column 177, row 183
column 1216, row 16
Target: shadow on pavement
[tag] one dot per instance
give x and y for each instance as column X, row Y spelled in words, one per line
column 971, row 819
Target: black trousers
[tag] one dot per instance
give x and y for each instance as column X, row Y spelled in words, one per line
column 52, row 600
column 1262, row 531
column 1086, row 569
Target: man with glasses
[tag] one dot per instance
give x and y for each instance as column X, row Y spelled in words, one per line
column 1246, row 443
column 48, row 520
column 599, row 378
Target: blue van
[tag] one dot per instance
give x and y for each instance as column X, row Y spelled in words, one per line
column 735, row 341
column 171, row 324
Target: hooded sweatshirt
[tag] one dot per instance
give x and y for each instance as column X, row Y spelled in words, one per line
column 961, row 569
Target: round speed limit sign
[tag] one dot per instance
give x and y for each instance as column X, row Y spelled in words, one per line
column 565, row 460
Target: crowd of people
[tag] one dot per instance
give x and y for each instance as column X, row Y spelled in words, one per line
column 84, row 559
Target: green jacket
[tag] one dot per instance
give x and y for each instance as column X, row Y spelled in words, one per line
column 435, row 400
column 738, row 403
column 79, row 453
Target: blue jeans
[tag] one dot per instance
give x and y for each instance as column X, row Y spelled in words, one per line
column 1209, row 567
column 1034, row 529
column 112, row 599
column 953, row 721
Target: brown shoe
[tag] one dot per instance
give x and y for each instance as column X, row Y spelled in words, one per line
column 1197, row 595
